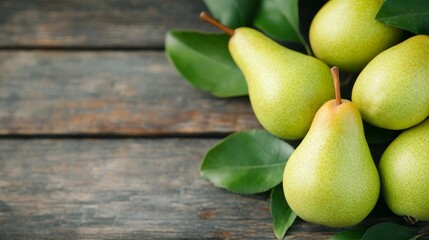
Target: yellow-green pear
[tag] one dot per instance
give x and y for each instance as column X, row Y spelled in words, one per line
column 345, row 33
column 404, row 173
column 330, row 178
column 393, row 90
column 285, row 87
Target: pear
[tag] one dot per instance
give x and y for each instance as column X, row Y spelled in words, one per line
column 285, row 87
column 345, row 33
column 404, row 173
column 330, row 178
column 393, row 90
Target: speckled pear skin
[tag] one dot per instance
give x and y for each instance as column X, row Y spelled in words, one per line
column 345, row 33
column 330, row 178
column 404, row 173
column 285, row 87
column 393, row 90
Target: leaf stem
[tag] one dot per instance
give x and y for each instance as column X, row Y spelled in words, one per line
column 305, row 44
column 307, row 48
column 204, row 16
column 336, row 77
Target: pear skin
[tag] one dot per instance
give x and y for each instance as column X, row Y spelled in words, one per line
column 404, row 173
column 330, row 178
column 392, row 91
column 345, row 33
column 286, row 87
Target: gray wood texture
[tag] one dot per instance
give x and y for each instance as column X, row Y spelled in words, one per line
column 95, row 23
column 108, row 92
column 121, row 189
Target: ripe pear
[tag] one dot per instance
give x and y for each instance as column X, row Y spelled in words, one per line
column 330, row 178
column 393, row 90
column 345, row 33
column 404, row 173
column 285, row 87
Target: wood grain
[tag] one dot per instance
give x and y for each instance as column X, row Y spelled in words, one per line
column 96, row 23
column 108, row 92
column 119, row 189
column 127, row 189
column 107, row 23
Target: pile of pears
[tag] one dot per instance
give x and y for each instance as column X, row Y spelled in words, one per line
column 331, row 178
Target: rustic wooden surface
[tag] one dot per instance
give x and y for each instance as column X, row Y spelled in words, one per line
column 120, row 189
column 108, row 92
column 95, row 23
column 100, row 138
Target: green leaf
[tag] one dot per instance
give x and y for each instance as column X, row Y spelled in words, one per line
column 247, row 162
column 389, row 231
column 279, row 23
column 279, row 19
column 351, row 234
column 204, row 60
column 233, row 13
column 411, row 15
column 283, row 216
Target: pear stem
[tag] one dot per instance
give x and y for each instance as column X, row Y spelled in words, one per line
column 205, row 17
column 336, row 77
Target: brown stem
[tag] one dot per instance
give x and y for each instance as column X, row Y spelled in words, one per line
column 336, row 76
column 204, row 16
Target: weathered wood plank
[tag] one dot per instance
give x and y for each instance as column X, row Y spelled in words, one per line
column 127, row 189
column 108, row 92
column 107, row 23
column 119, row 189
column 97, row 23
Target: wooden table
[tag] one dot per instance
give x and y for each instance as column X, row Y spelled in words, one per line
column 100, row 138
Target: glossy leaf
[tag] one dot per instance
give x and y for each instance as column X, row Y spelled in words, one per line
column 279, row 19
column 204, row 60
column 351, row 234
column 283, row 216
column 411, row 15
column 273, row 21
column 233, row 13
column 389, row 231
column 247, row 162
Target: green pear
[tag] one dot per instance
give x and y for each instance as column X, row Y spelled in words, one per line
column 404, row 173
column 330, row 178
column 393, row 90
column 285, row 87
column 345, row 33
